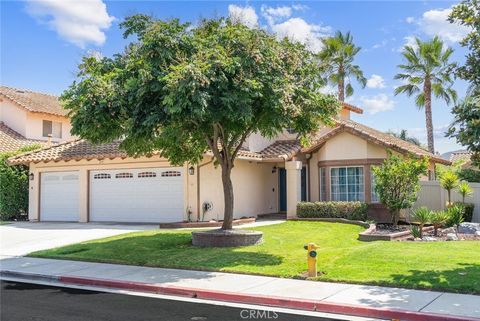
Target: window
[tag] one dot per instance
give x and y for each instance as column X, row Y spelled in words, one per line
column 102, row 176
column 373, row 195
column 347, row 184
column 52, row 128
column 124, row 175
column 323, row 185
column 170, row 174
column 147, row 174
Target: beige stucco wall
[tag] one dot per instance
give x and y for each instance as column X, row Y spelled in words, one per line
column 13, row 116
column 34, row 129
column 348, row 146
column 29, row 124
column 255, row 186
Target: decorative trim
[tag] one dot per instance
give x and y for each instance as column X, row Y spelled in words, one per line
column 351, row 162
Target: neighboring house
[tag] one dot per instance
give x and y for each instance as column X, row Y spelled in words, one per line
column 465, row 158
column 28, row 117
column 78, row 181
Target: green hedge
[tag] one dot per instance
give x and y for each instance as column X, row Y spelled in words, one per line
column 13, row 186
column 349, row 210
column 468, row 213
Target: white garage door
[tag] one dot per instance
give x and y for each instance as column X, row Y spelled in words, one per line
column 137, row 195
column 59, row 192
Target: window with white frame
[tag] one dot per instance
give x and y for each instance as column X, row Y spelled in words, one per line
column 373, row 195
column 323, row 184
column 347, row 183
column 53, row 128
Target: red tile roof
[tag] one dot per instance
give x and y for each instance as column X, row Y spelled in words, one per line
column 10, row 140
column 353, row 108
column 34, row 101
column 281, row 149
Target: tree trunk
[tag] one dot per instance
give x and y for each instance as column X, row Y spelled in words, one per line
column 341, row 90
column 228, row 197
column 449, row 197
column 395, row 214
column 427, row 89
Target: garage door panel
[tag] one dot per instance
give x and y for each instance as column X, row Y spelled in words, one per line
column 137, row 195
column 59, row 196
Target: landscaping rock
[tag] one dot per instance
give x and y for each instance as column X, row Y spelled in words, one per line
column 428, row 239
column 446, row 231
column 477, row 233
column 452, row 237
column 468, row 228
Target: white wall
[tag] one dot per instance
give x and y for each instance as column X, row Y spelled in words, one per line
column 434, row 197
column 13, row 116
column 35, row 126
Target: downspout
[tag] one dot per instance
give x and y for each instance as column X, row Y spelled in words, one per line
column 198, row 187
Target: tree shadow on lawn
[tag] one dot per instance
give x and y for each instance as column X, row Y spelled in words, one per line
column 464, row 279
column 164, row 250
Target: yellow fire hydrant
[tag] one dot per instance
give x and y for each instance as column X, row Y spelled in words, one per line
column 311, row 259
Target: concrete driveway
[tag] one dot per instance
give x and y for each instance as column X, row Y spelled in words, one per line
column 21, row 238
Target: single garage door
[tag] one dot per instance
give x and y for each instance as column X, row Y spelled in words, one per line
column 59, row 192
column 137, row 195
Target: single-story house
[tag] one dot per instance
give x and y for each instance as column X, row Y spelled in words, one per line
column 78, row 181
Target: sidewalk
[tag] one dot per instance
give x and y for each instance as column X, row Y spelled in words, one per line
column 370, row 301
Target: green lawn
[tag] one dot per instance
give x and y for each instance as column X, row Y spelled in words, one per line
column 452, row 266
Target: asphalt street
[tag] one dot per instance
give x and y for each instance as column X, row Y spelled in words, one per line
column 31, row 302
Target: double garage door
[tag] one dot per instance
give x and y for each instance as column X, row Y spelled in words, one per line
column 127, row 195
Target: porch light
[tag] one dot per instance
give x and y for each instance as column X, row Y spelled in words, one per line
column 274, row 169
column 31, row 176
column 191, row 170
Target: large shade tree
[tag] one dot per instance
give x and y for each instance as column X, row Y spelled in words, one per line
column 336, row 61
column 427, row 72
column 188, row 90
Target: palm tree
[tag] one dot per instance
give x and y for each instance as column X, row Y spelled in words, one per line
column 336, row 62
column 403, row 135
column 427, row 71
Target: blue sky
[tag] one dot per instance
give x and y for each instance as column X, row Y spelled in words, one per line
column 43, row 41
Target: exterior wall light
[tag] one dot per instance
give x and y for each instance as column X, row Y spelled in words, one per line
column 274, row 169
column 31, row 176
column 191, row 170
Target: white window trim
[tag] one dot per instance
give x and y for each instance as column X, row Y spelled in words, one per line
column 355, row 166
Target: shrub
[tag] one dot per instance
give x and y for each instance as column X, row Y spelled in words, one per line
column 465, row 190
column 438, row 219
column 396, row 182
column 449, row 180
column 416, row 232
column 348, row 210
column 13, row 186
column 456, row 214
column 467, row 210
column 421, row 216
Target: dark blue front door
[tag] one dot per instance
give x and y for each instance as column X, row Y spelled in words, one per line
column 304, row 184
column 282, row 191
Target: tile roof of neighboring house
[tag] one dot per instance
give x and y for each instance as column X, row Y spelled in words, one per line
column 350, row 107
column 374, row 136
column 34, row 101
column 281, row 149
column 464, row 156
column 10, row 140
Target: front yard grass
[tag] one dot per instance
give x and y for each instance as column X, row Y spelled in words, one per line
column 450, row 266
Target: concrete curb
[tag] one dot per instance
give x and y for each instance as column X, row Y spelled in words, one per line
column 292, row 303
column 274, row 301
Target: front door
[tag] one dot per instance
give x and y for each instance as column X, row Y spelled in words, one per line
column 282, row 190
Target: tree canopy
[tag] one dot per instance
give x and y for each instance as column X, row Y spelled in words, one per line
column 184, row 90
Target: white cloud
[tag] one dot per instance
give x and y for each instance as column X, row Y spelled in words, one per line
column 408, row 41
column 410, row 19
column 245, row 15
column 376, row 81
column 377, row 103
column 280, row 12
column 380, row 45
column 79, row 22
column 297, row 29
column 435, row 23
